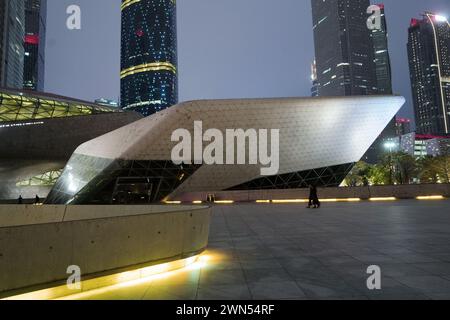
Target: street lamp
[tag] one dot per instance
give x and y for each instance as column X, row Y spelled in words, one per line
column 390, row 145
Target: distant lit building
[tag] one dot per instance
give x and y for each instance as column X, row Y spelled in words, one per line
column 149, row 73
column 422, row 145
column 12, row 32
column 438, row 147
column 382, row 59
column 402, row 126
column 344, row 48
column 35, row 21
column 315, row 82
column 39, row 132
column 429, row 64
column 107, row 103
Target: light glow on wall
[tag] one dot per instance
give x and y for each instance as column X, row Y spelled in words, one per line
column 120, row 280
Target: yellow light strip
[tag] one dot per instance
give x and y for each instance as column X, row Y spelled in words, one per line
column 290, row 201
column 172, row 202
column 128, row 3
column 123, row 279
column 224, row 201
column 197, row 202
column 146, row 67
column 262, row 201
column 341, row 200
column 430, row 198
column 383, row 199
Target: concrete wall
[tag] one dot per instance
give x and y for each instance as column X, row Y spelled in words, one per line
column 401, row 192
column 38, row 243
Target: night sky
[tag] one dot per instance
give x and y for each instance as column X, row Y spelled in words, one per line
column 226, row 48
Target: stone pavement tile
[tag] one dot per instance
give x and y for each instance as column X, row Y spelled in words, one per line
column 426, row 284
column 249, row 264
column 221, row 277
column 217, row 245
column 402, row 296
column 401, row 270
column 222, row 265
column 178, row 278
column 171, row 292
column 123, row 292
column 276, row 290
column 338, row 260
column 322, row 288
column 439, row 296
column 259, row 253
column 374, row 258
column 393, row 250
column 324, row 253
column 438, row 269
column 284, row 252
column 224, row 292
column 389, row 287
column 445, row 257
column 415, row 258
column 267, row 275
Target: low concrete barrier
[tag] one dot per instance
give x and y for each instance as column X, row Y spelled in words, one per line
column 399, row 191
column 38, row 243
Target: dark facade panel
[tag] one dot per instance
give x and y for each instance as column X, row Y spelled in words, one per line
column 107, row 181
column 320, row 177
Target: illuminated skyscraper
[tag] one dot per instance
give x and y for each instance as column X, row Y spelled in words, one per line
column 34, row 44
column 315, row 82
column 382, row 59
column 429, row 65
column 12, row 31
column 149, row 77
column 343, row 48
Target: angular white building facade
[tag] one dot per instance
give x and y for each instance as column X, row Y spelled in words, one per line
column 319, row 141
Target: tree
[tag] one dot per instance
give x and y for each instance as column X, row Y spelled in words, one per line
column 442, row 167
column 359, row 175
column 379, row 174
column 405, row 168
column 428, row 172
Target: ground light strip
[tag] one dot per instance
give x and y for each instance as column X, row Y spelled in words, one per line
column 383, row 199
column 172, row 202
column 224, row 201
column 118, row 280
column 430, row 198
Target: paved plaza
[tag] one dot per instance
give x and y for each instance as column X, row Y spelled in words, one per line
column 272, row 251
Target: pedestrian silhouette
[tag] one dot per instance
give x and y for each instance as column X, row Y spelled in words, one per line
column 313, row 197
column 37, row 200
column 20, row 200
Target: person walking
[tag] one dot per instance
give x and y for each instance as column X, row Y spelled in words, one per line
column 313, row 197
column 37, row 200
column 20, row 200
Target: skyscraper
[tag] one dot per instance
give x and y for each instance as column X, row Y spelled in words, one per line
column 33, row 44
column 315, row 82
column 382, row 59
column 343, row 48
column 12, row 31
column 429, row 65
column 149, row 55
